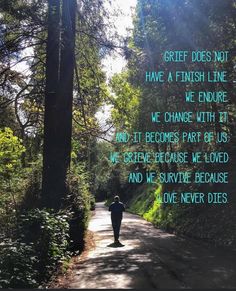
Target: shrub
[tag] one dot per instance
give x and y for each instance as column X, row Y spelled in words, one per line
column 41, row 244
column 92, row 203
column 32, row 187
column 79, row 204
column 17, row 261
column 49, row 233
column 11, row 149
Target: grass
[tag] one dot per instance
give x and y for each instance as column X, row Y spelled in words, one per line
column 146, row 203
column 154, row 212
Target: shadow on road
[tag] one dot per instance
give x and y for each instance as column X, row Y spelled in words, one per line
column 115, row 245
column 150, row 258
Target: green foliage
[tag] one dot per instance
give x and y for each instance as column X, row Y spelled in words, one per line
column 79, row 204
column 41, row 245
column 31, row 186
column 21, row 192
column 90, row 82
column 152, row 214
column 145, row 202
column 49, row 232
column 23, row 26
column 92, row 203
column 174, row 25
column 11, row 149
column 45, row 236
column 17, row 264
column 125, row 101
column 142, row 199
column 102, row 169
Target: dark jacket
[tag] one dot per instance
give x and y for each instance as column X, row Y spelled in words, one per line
column 117, row 209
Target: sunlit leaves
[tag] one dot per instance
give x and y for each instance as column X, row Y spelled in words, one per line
column 11, row 149
column 125, row 101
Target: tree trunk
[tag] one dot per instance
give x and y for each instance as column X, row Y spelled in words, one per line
column 58, row 102
column 65, row 94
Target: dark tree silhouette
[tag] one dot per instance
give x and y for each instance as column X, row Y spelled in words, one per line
column 58, row 101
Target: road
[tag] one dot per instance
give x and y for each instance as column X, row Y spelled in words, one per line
column 149, row 258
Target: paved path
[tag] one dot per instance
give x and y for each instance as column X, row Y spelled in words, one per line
column 150, row 258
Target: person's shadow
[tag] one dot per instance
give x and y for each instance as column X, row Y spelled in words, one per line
column 115, row 245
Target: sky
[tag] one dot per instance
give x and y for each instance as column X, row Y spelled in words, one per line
column 115, row 62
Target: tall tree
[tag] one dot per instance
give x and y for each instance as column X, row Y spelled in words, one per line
column 58, row 101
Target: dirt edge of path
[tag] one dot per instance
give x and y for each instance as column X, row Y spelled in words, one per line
column 61, row 279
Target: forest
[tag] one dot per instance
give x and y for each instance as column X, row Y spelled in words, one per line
column 55, row 156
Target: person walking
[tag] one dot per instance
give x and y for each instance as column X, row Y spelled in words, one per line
column 116, row 208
